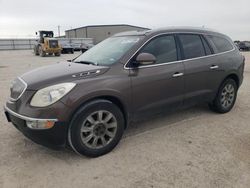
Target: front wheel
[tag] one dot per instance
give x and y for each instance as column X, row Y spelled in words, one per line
column 41, row 52
column 226, row 97
column 96, row 128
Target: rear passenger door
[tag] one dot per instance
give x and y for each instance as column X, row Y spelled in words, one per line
column 200, row 71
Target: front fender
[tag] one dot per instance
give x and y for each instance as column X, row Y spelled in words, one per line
column 105, row 87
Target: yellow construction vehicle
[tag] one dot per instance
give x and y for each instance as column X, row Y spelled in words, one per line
column 46, row 44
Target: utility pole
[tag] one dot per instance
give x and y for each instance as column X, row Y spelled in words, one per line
column 58, row 30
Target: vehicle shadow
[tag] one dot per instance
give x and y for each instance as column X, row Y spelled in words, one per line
column 166, row 119
column 139, row 127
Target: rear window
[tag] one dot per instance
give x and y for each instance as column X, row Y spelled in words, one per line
column 220, row 44
column 192, row 46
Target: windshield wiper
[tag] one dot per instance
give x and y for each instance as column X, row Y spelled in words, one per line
column 86, row 62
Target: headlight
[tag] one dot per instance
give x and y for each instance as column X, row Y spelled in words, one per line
column 49, row 95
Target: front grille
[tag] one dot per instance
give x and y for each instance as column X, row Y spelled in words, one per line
column 17, row 89
column 53, row 43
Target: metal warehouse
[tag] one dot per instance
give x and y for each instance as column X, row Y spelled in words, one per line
column 100, row 32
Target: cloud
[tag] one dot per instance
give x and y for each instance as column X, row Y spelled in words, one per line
column 22, row 18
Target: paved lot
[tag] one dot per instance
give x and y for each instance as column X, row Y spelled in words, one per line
column 189, row 148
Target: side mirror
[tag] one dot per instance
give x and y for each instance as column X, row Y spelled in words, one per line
column 69, row 60
column 36, row 33
column 145, row 59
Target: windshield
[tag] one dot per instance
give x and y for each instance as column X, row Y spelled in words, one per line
column 108, row 51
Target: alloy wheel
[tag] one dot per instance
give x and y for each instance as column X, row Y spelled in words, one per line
column 227, row 96
column 98, row 129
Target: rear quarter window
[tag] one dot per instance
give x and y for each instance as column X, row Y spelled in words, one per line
column 220, row 44
column 206, row 46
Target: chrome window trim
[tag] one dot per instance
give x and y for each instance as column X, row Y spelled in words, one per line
column 25, row 117
column 179, row 61
column 25, row 84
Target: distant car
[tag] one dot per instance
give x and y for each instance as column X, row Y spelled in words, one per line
column 89, row 102
column 67, row 48
column 237, row 44
column 244, row 46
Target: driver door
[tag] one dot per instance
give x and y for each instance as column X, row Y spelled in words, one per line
column 160, row 86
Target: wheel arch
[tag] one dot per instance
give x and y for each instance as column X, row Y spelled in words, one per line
column 233, row 76
column 114, row 99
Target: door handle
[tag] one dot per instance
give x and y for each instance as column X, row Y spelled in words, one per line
column 214, row 67
column 177, row 74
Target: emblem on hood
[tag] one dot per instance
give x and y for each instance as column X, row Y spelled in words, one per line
column 87, row 73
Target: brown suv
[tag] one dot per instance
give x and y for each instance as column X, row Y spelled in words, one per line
column 89, row 101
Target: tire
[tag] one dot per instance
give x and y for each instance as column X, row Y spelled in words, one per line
column 226, row 97
column 84, row 50
column 58, row 54
column 36, row 52
column 41, row 52
column 89, row 136
column 72, row 51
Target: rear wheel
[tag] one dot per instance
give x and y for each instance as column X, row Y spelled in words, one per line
column 96, row 128
column 58, row 54
column 226, row 97
column 84, row 50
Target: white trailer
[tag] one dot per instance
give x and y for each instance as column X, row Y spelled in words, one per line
column 76, row 43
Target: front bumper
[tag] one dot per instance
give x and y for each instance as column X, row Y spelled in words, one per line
column 54, row 137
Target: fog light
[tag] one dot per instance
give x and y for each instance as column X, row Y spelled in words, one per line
column 40, row 124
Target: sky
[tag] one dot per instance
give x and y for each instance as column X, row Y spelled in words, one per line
column 22, row 18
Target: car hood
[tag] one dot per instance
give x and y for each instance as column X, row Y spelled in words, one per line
column 59, row 73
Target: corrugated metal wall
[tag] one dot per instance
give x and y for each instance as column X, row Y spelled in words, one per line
column 24, row 44
column 16, row 44
column 99, row 33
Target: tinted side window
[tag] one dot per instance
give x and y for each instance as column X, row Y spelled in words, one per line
column 220, row 44
column 163, row 48
column 192, row 46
